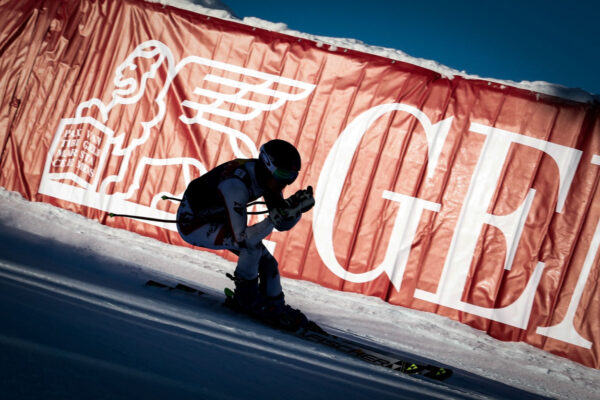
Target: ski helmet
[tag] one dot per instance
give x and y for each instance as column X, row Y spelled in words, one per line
column 281, row 159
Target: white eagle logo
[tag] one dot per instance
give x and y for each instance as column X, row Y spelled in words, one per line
column 76, row 167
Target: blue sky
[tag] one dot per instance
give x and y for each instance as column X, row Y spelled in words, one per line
column 552, row 41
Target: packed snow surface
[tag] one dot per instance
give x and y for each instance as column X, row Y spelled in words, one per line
column 78, row 322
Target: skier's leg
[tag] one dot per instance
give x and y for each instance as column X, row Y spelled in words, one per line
column 247, row 294
column 218, row 237
column 275, row 310
column 251, row 255
column 211, row 236
column 270, row 281
column 252, row 250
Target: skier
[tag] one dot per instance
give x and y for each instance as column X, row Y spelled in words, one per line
column 213, row 215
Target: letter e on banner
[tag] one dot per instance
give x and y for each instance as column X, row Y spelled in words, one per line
column 565, row 330
column 474, row 215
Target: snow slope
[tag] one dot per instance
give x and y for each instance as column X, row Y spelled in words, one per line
column 78, row 322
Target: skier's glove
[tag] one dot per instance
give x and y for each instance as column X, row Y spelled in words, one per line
column 302, row 200
column 287, row 216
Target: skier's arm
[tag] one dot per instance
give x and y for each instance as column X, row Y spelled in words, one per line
column 274, row 200
column 235, row 196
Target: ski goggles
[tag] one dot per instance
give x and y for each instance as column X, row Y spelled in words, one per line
column 280, row 174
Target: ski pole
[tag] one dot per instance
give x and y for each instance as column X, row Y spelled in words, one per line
column 165, row 197
column 142, row 218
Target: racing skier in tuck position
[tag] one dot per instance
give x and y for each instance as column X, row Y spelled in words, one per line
column 213, row 215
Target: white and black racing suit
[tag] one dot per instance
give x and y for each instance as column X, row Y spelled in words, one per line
column 213, row 215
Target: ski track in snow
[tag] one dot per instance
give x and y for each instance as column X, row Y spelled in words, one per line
column 110, row 266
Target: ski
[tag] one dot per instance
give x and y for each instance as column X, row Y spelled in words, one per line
column 375, row 357
column 178, row 286
column 315, row 334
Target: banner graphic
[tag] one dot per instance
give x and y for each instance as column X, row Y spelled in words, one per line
column 462, row 197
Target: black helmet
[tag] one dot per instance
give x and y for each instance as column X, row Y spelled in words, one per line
column 281, row 159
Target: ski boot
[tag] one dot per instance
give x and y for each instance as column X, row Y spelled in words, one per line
column 277, row 313
column 246, row 297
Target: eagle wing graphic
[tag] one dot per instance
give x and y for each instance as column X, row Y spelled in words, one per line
column 225, row 86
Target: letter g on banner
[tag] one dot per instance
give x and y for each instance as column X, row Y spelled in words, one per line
column 331, row 182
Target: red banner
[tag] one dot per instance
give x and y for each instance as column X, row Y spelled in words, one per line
column 462, row 197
